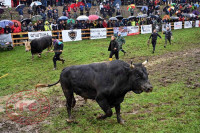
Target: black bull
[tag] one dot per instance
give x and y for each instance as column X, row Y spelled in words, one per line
column 107, row 83
column 40, row 44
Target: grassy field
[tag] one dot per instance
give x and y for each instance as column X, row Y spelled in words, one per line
column 173, row 106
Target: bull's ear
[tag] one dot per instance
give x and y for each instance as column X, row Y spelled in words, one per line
column 132, row 66
column 145, row 63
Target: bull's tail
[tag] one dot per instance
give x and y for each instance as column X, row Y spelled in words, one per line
column 46, row 85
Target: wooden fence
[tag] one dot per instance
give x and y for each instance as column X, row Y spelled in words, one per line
column 24, row 35
column 85, row 34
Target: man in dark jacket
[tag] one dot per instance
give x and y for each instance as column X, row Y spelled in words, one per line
column 168, row 35
column 154, row 37
column 58, row 48
column 113, row 48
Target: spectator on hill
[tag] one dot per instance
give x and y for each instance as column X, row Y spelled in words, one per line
column 132, row 11
column 30, row 27
column 39, row 9
column 55, row 15
column 105, row 24
column 118, row 12
column 30, row 12
column 16, row 29
column 75, row 14
column 117, row 6
column 34, row 7
column 21, row 13
column 49, row 12
column 42, row 13
column 47, row 26
column 40, row 26
column 60, row 26
column 100, row 25
column 87, row 9
column 81, row 9
column 24, row 27
column 35, row 27
column 109, row 24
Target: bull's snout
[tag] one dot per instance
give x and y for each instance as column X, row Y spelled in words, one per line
column 148, row 88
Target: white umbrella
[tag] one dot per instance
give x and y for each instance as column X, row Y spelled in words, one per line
column 37, row 3
column 83, row 17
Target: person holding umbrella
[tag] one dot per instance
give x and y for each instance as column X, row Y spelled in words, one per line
column 58, row 48
column 113, row 48
column 7, row 29
column 154, row 37
column 121, row 41
column 168, row 35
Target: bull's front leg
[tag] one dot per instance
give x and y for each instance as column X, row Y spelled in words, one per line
column 105, row 107
column 32, row 57
column 119, row 119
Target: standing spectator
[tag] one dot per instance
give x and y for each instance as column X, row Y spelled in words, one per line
column 55, row 15
column 24, row 27
column 1, row 30
column 81, row 9
column 118, row 12
column 132, row 23
column 60, row 26
column 117, row 6
column 47, row 26
column 109, row 24
column 49, row 12
column 113, row 48
column 105, row 24
column 21, row 13
column 100, row 25
column 40, row 26
column 154, row 37
column 42, row 13
column 168, row 35
column 75, row 10
column 55, row 28
column 30, row 27
column 87, row 9
column 121, row 41
column 35, row 27
column 34, row 7
column 39, row 9
column 132, row 11
column 101, row 8
column 30, row 12
column 16, row 29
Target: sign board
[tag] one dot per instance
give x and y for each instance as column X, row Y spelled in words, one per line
column 71, row 35
column 98, row 33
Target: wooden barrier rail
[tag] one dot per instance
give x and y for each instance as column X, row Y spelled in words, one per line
column 58, row 33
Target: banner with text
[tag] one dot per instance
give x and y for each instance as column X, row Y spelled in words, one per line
column 71, row 35
column 145, row 29
column 122, row 30
column 197, row 23
column 177, row 25
column 188, row 24
column 5, row 39
column 132, row 30
column 98, row 33
column 164, row 27
column 39, row 34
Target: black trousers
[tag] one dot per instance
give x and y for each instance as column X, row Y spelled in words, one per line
column 116, row 53
column 167, row 39
column 56, row 58
column 154, row 45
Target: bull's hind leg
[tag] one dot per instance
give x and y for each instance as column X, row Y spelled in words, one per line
column 70, row 101
column 105, row 107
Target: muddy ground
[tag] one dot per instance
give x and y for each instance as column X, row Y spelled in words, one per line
column 163, row 70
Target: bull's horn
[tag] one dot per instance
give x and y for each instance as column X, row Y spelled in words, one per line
column 132, row 66
column 145, row 62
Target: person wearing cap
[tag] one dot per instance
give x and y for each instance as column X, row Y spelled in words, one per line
column 121, row 41
column 154, row 37
column 113, row 48
column 58, row 48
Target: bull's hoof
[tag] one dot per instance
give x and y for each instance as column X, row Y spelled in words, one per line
column 100, row 117
column 122, row 122
column 71, row 121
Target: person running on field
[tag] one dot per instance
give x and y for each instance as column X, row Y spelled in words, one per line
column 154, row 37
column 113, row 48
column 121, row 41
column 168, row 35
column 58, row 48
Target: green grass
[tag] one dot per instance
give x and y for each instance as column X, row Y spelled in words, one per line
column 172, row 109
column 25, row 73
